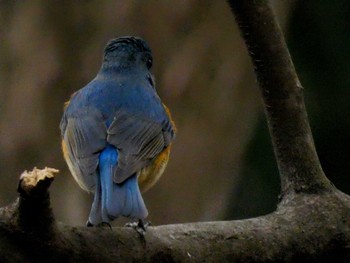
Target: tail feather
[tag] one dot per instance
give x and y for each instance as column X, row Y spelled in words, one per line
column 113, row 200
column 131, row 202
column 95, row 216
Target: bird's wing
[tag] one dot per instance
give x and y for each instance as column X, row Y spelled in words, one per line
column 138, row 139
column 83, row 138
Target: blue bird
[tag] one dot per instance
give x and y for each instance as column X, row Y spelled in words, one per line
column 117, row 133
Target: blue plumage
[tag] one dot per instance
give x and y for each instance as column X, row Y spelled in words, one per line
column 113, row 128
column 129, row 200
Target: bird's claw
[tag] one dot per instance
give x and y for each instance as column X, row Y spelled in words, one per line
column 139, row 226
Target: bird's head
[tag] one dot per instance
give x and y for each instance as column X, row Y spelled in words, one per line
column 128, row 51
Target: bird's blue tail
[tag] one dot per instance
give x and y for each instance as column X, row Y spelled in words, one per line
column 113, row 200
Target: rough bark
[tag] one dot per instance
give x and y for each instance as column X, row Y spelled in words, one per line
column 282, row 93
column 311, row 223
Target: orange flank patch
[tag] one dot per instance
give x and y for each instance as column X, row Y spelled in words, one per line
column 65, row 105
column 170, row 118
column 64, row 150
column 149, row 175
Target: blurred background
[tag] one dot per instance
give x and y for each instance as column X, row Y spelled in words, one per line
column 222, row 165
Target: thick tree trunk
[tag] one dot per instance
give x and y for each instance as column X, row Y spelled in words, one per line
column 311, row 223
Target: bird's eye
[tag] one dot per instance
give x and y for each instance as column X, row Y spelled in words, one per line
column 149, row 63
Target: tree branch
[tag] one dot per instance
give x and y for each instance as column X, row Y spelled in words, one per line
column 307, row 227
column 297, row 160
column 311, row 222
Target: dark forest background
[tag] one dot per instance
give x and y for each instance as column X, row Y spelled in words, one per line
column 222, row 164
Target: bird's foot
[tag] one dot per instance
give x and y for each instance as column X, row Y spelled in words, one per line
column 139, row 226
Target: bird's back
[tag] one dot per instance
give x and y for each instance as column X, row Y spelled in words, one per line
column 110, row 94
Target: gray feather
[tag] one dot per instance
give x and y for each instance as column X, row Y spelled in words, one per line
column 85, row 137
column 138, row 139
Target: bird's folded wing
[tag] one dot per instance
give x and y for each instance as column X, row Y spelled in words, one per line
column 84, row 137
column 138, row 139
